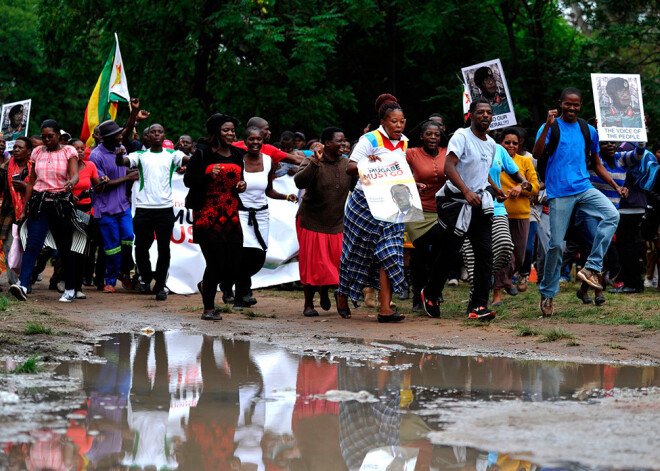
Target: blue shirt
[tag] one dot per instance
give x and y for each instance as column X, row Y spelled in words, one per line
column 501, row 163
column 566, row 173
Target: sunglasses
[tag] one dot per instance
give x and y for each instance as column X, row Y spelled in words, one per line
column 511, row 143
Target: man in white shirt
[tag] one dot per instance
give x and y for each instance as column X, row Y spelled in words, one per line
column 154, row 207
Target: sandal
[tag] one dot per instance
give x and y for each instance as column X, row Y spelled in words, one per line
column 344, row 313
column 394, row 317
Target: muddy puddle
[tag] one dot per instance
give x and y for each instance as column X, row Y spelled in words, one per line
column 190, row 402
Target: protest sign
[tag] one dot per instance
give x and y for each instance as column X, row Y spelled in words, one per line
column 486, row 80
column 187, row 263
column 619, row 107
column 390, row 189
column 15, row 118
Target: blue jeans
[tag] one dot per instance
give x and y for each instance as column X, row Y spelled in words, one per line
column 529, row 249
column 117, row 232
column 62, row 232
column 593, row 204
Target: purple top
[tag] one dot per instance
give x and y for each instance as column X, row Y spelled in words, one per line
column 113, row 201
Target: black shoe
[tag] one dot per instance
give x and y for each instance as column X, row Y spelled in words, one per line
column 312, row 313
column 248, row 301
column 512, row 291
column 585, row 298
column 238, row 305
column 18, row 292
column 599, row 299
column 227, row 298
column 625, row 290
column 161, row 295
column 418, row 307
column 431, row 306
column 212, row 316
column 88, row 282
column 144, row 288
column 405, row 294
column 482, row 314
column 394, row 317
column 325, row 300
column 344, row 313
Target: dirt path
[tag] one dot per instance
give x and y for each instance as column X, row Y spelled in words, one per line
column 278, row 319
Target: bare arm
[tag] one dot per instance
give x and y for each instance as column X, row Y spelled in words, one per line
column 602, row 172
column 539, row 145
column 28, row 192
column 72, row 170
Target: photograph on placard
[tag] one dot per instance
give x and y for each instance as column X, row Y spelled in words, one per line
column 15, row 120
column 619, row 107
column 390, row 190
column 487, row 80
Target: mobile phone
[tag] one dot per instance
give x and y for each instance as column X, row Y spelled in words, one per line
column 16, row 176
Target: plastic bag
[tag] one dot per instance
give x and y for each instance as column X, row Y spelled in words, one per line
column 15, row 257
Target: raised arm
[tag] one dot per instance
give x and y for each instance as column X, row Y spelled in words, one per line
column 539, row 145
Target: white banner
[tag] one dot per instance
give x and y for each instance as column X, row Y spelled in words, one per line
column 187, row 263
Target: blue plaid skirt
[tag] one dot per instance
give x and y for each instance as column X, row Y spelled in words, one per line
column 368, row 245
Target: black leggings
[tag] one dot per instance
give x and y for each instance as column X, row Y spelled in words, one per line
column 252, row 260
column 221, row 263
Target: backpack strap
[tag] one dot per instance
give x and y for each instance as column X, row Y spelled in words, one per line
column 586, row 134
column 550, row 148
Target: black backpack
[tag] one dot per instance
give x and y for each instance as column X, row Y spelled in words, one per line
column 553, row 142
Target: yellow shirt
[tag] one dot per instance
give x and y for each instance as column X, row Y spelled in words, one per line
column 518, row 208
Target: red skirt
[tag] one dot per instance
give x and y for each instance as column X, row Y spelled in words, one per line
column 318, row 256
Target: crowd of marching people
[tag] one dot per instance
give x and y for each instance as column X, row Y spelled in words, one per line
column 492, row 213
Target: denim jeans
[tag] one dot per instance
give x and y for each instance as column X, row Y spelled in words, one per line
column 117, row 233
column 593, row 204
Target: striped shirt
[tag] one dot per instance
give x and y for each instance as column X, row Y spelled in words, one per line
column 622, row 162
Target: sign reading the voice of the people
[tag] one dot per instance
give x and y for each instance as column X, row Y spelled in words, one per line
column 390, row 189
column 486, row 80
column 619, row 107
column 15, row 120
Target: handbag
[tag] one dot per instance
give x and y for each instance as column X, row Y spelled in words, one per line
column 15, row 256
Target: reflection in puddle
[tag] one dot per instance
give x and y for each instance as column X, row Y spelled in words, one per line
column 175, row 401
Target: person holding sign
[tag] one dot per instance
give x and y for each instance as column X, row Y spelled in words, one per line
column 372, row 250
column 564, row 145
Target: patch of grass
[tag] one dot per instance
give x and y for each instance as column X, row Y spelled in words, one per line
column 191, row 308
column 5, row 303
column 255, row 315
column 555, row 334
column 150, row 306
column 224, row 308
column 40, row 312
column 34, row 328
column 527, row 331
column 29, row 366
column 614, row 346
column 572, row 343
column 9, row 339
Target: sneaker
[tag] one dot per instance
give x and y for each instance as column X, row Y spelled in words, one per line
column 453, row 282
column 589, row 277
column 482, row 313
column 80, row 295
column 431, row 306
column 522, row 283
column 88, row 282
column 212, row 316
column 546, row 307
column 563, row 279
column 60, row 286
column 161, row 295
column 109, row 289
column 238, row 305
column 512, row 290
column 68, row 296
column 144, row 288
column 250, row 301
column 648, row 283
column 126, row 282
column 584, row 297
column 18, row 291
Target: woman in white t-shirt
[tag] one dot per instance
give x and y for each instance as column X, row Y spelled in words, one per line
column 372, row 250
column 254, row 215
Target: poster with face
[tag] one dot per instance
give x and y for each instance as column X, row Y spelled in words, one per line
column 486, row 80
column 619, row 107
column 390, row 189
column 14, row 123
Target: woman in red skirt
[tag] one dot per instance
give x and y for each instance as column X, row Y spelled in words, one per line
column 320, row 220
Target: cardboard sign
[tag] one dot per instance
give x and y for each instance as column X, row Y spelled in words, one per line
column 486, row 80
column 15, row 120
column 619, row 107
column 390, row 189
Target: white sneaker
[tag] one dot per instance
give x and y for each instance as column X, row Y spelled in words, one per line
column 648, row 283
column 453, row 282
column 18, row 291
column 80, row 295
column 68, row 296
